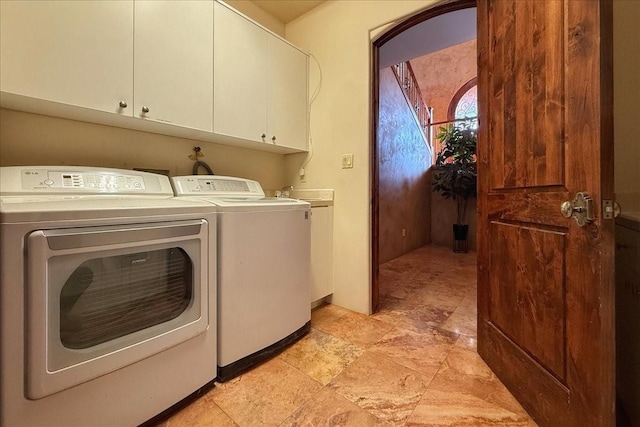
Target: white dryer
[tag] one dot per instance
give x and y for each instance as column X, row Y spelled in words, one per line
column 264, row 251
column 106, row 313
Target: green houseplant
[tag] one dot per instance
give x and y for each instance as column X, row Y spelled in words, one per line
column 455, row 175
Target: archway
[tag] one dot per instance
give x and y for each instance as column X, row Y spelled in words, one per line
column 375, row 177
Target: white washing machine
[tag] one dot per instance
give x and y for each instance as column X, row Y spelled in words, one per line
column 264, row 251
column 107, row 296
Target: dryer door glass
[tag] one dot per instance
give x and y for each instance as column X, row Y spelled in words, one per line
column 101, row 298
column 106, row 298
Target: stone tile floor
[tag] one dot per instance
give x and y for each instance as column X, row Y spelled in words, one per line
column 414, row 363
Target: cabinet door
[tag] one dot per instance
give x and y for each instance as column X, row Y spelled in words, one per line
column 628, row 323
column 321, row 252
column 72, row 52
column 173, row 75
column 288, row 90
column 240, row 76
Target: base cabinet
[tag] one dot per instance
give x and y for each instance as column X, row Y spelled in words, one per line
column 321, row 252
column 628, row 322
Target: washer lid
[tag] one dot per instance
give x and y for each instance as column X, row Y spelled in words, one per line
column 231, row 192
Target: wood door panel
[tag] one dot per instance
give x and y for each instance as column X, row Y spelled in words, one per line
column 541, row 207
column 545, row 285
column 519, row 371
column 528, row 291
column 527, row 85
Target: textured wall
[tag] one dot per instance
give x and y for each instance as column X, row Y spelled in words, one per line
column 403, row 160
column 440, row 75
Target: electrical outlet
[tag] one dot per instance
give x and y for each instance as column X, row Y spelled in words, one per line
column 347, row 161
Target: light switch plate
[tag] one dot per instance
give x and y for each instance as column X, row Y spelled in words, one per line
column 347, row 161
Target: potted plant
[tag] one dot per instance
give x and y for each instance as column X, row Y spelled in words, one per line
column 455, row 175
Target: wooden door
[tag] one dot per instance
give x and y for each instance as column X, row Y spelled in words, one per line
column 545, row 284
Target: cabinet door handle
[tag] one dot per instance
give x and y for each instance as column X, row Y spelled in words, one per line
column 145, row 109
column 273, row 139
column 122, row 104
column 263, row 136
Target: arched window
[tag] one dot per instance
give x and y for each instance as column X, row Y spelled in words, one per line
column 464, row 104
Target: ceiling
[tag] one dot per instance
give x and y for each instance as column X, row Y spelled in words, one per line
column 287, row 10
column 429, row 36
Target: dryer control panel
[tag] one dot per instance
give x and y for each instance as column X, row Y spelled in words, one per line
column 17, row 180
column 33, row 179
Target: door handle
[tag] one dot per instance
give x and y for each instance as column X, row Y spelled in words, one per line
column 580, row 208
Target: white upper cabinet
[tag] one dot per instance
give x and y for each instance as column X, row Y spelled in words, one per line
column 287, row 94
column 173, row 62
column 190, row 68
column 260, row 84
column 240, row 76
column 73, row 52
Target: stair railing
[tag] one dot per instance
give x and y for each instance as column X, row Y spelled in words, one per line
column 411, row 90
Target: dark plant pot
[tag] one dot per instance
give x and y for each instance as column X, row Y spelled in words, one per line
column 460, row 242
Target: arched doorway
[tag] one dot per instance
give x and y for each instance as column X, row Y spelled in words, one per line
column 409, row 23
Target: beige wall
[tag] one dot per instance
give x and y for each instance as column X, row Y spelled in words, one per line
column 440, row 74
column 338, row 34
column 33, row 139
column 626, row 56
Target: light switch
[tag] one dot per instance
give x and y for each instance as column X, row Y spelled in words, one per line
column 347, row 161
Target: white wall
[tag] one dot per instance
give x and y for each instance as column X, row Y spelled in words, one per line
column 339, row 34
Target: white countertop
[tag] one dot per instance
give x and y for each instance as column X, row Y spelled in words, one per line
column 317, row 197
column 629, row 220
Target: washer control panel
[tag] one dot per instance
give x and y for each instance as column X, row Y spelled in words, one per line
column 217, row 186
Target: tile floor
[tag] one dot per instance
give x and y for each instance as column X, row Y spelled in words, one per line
column 414, row 363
